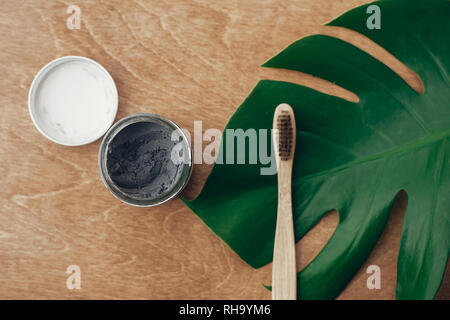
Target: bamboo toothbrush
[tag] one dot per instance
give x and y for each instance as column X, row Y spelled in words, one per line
column 284, row 279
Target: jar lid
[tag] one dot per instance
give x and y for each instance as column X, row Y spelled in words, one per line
column 73, row 101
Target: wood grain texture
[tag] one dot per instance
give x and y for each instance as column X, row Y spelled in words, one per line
column 186, row 60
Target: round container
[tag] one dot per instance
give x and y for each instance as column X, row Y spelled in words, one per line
column 73, row 101
column 132, row 148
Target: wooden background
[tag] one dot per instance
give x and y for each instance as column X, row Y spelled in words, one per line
column 186, row 60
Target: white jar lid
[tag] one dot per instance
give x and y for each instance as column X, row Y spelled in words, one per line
column 73, row 101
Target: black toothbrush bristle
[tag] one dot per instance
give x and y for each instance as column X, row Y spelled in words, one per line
column 285, row 133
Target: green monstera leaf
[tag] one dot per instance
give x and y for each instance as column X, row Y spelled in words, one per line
column 352, row 157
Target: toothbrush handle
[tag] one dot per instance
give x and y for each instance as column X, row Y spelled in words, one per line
column 284, row 275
